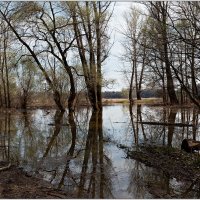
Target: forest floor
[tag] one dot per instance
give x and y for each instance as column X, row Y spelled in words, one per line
column 15, row 183
column 174, row 163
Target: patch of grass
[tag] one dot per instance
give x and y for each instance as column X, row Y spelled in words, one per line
column 126, row 101
column 148, row 101
column 110, row 101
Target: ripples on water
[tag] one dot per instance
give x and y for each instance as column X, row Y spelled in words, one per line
column 81, row 153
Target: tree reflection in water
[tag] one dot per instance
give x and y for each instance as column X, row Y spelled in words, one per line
column 94, row 177
column 92, row 181
column 58, row 118
column 171, row 119
column 160, row 184
column 160, row 127
column 5, row 143
column 79, row 151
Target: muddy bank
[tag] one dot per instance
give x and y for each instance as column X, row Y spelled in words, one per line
column 175, row 162
column 15, row 183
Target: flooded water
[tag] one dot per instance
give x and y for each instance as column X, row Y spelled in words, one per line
column 86, row 152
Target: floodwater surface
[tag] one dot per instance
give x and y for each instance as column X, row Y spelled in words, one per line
column 86, row 152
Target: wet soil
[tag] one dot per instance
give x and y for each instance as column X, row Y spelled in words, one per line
column 15, row 183
column 174, row 163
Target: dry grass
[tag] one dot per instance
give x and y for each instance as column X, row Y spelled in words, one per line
column 110, row 101
column 126, row 101
column 149, row 101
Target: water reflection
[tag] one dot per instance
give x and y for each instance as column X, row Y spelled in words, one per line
column 58, row 118
column 163, row 126
column 171, row 120
column 5, row 135
column 79, row 151
column 92, row 178
column 70, row 152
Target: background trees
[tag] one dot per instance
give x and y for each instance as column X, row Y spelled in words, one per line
column 68, row 43
column 26, row 80
column 6, row 64
column 52, row 33
column 159, row 12
column 170, row 49
column 185, row 26
column 135, row 49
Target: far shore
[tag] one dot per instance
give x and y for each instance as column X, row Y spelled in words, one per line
column 105, row 101
column 126, row 101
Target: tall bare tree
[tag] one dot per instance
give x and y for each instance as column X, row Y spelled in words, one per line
column 159, row 12
column 90, row 21
column 135, row 49
column 5, row 64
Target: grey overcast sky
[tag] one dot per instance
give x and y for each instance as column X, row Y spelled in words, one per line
column 113, row 64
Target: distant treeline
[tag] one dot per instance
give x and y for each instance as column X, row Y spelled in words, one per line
column 148, row 93
column 113, row 95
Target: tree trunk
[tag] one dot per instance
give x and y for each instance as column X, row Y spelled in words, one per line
column 1, row 99
column 99, row 74
column 24, row 102
column 194, row 86
column 57, row 99
column 131, row 86
column 170, row 84
column 142, row 72
column 6, row 72
column 88, row 69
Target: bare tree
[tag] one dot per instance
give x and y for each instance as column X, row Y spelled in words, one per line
column 43, row 25
column 186, row 30
column 90, row 20
column 135, row 49
column 5, row 55
column 26, row 73
column 158, row 11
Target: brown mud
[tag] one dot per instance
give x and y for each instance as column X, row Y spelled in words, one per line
column 172, row 162
column 15, row 183
column 175, row 162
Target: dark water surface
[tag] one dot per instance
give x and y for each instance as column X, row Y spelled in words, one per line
column 86, row 152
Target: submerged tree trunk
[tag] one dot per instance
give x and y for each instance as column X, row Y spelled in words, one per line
column 57, row 99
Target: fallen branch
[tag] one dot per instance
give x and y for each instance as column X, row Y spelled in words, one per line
column 165, row 124
column 5, row 168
